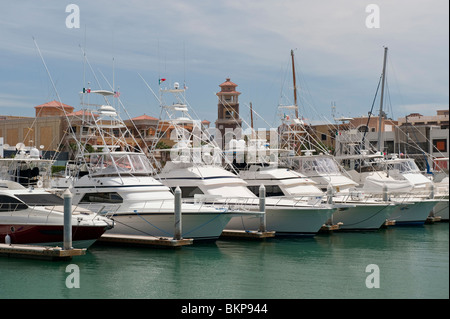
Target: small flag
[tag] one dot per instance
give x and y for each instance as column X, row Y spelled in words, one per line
column 161, row 80
column 86, row 90
column 116, row 93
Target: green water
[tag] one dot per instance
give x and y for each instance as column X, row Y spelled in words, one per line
column 413, row 263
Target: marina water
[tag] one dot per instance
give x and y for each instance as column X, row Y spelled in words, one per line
column 413, row 262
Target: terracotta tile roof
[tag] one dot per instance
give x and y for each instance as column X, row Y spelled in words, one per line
column 228, row 83
column 54, row 104
column 144, row 117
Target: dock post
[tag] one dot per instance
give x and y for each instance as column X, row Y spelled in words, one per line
column 330, row 194
column 431, row 191
column 262, row 208
column 385, row 193
column 178, row 222
column 67, row 220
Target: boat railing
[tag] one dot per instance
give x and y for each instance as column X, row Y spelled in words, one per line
column 397, row 197
column 38, row 210
column 251, row 203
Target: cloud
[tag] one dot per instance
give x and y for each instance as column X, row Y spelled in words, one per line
column 338, row 57
column 11, row 102
column 426, row 108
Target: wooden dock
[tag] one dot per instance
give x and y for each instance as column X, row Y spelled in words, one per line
column 388, row 223
column 433, row 219
column 39, row 252
column 246, row 234
column 138, row 240
column 329, row 228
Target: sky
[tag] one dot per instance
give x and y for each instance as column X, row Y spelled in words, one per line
column 338, row 54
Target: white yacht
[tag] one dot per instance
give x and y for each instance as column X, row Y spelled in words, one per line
column 35, row 216
column 421, row 194
column 441, row 191
column 201, row 177
column 213, row 184
column 369, row 212
column 123, row 181
column 405, row 185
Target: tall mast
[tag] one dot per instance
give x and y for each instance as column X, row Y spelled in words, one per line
column 251, row 118
column 295, row 85
column 380, row 143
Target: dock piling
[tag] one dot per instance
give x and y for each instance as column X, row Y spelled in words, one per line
column 431, row 191
column 262, row 208
column 385, row 193
column 178, row 220
column 330, row 194
column 67, row 220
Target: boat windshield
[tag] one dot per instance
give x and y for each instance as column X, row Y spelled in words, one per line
column 120, row 162
column 408, row 166
column 320, row 165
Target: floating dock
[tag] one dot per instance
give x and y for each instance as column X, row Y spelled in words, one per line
column 39, row 252
column 138, row 240
column 247, row 234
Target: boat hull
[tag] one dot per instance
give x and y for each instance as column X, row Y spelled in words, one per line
column 368, row 217
column 413, row 212
column 195, row 225
column 50, row 235
column 286, row 221
column 441, row 210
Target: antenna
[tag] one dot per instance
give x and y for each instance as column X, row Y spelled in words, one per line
column 295, row 85
column 333, row 110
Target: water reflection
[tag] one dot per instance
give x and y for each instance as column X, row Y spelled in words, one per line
column 413, row 263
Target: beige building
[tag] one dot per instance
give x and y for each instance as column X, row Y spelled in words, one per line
column 412, row 135
column 43, row 131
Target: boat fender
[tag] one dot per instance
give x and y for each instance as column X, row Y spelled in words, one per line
column 39, row 184
column 7, row 240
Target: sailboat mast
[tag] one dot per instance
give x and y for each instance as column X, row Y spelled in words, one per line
column 295, row 85
column 380, row 141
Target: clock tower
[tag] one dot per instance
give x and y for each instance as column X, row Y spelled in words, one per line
column 228, row 119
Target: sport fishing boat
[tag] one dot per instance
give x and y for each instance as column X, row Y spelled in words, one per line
column 35, row 216
column 400, row 178
column 123, row 180
column 405, row 186
column 441, row 188
column 367, row 213
column 196, row 166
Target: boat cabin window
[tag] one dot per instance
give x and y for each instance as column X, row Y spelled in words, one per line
column 271, row 190
column 41, row 199
column 110, row 198
column 188, row 192
column 8, row 203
